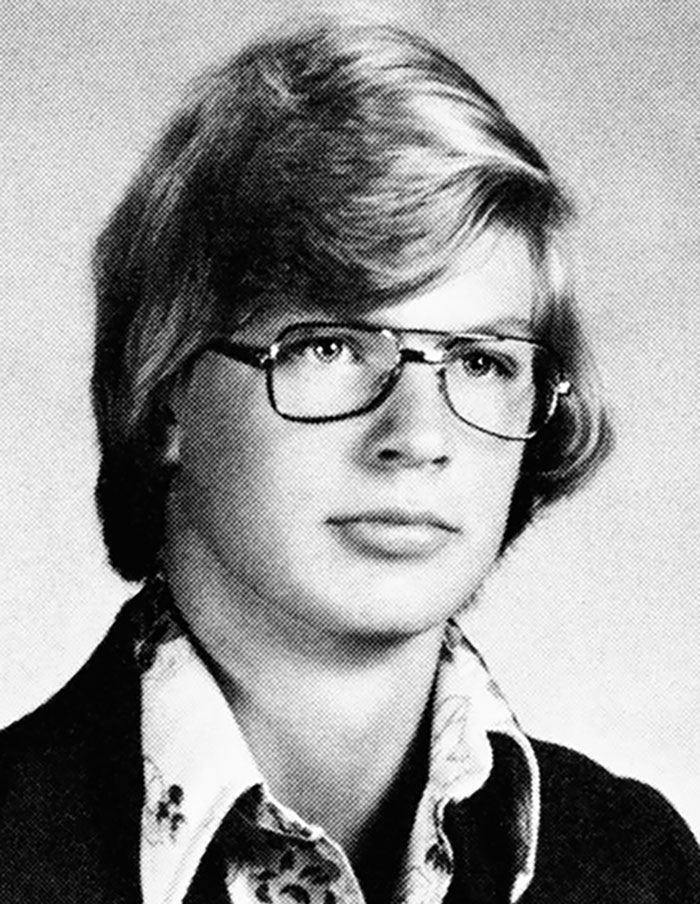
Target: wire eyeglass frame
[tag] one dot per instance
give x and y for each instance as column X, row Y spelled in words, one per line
column 266, row 357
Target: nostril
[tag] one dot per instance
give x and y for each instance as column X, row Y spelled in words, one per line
column 390, row 455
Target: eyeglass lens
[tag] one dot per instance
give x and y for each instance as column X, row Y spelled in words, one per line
column 504, row 386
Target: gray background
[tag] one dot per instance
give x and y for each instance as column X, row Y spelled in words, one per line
column 592, row 625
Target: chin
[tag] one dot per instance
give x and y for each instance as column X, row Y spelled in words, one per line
column 391, row 615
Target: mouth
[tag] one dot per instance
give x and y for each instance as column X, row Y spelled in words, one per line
column 394, row 533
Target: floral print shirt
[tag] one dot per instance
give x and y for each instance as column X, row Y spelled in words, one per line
column 204, row 790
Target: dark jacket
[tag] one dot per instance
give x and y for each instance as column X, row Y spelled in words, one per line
column 71, row 792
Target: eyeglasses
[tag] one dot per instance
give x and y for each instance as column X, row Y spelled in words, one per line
column 506, row 386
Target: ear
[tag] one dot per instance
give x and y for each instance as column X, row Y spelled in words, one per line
column 171, row 448
column 173, row 409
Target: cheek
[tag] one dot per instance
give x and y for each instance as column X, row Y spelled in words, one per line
column 219, row 449
column 489, row 486
column 246, row 476
column 221, row 476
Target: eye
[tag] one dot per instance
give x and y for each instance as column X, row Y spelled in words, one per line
column 329, row 349
column 481, row 363
column 324, row 349
column 477, row 363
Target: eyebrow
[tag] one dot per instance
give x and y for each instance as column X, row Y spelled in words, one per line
column 265, row 315
column 518, row 326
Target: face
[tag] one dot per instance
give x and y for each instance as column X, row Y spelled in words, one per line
column 381, row 524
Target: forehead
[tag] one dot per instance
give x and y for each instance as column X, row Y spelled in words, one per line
column 491, row 287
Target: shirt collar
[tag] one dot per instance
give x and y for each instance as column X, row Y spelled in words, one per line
column 197, row 762
column 469, row 707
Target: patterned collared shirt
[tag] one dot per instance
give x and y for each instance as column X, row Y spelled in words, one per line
column 203, row 783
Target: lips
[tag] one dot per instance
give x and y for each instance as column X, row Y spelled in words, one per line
column 394, row 533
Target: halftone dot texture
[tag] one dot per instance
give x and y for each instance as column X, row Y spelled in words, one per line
column 593, row 623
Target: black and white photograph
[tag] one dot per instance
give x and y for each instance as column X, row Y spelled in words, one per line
column 349, row 385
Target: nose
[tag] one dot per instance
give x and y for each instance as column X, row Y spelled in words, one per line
column 412, row 427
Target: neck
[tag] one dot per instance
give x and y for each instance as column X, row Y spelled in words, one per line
column 329, row 717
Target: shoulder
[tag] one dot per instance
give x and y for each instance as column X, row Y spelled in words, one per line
column 83, row 697
column 47, row 749
column 617, row 833
column 39, row 748
column 576, row 788
column 93, row 719
column 71, row 771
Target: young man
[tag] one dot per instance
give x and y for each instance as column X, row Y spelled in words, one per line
column 338, row 369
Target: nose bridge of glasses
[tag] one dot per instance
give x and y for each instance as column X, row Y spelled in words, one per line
column 421, row 356
column 428, row 354
column 417, row 387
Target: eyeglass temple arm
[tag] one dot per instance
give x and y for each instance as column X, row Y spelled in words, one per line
column 247, row 354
